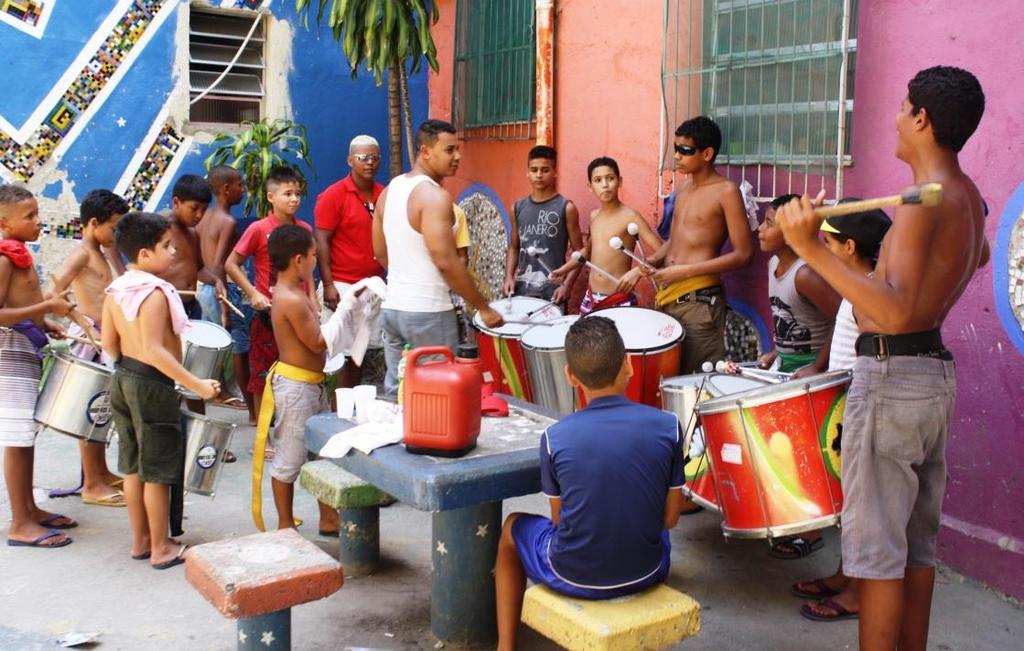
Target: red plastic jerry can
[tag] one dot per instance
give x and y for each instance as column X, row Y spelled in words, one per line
column 441, row 405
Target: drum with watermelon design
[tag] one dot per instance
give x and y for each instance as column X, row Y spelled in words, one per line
column 501, row 356
column 680, row 395
column 774, row 457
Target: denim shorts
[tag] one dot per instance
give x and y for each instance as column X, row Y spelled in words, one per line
column 238, row 326
column 895, row 429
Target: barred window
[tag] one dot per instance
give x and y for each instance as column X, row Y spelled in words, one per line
column 213, row 40
column 495, row 70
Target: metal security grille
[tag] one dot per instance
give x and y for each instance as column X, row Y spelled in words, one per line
column 777, row 77
column 494, row 78
column 214, row 39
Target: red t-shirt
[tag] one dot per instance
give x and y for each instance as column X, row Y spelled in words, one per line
column 342, row 210
column 254, row 243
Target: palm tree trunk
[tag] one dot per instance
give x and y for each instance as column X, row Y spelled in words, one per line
column 394, row 121
column 406, row 111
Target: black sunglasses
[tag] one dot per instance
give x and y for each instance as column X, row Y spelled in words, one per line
column 686, row 150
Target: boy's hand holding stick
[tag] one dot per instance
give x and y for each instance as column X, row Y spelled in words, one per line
column 231, row 306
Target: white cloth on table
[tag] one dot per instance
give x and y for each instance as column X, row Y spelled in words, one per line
column 349, row 329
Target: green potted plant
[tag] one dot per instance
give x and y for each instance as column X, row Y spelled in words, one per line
column 257, row 149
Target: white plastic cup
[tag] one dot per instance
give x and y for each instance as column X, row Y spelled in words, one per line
column 365, row 395
column 346, row 399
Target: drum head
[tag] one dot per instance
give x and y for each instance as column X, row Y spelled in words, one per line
column 549, row 337
column 516, row 308
column 723, row 384
column 772, row 392
column 680, row 381
column 643, row 329
column 207, row 335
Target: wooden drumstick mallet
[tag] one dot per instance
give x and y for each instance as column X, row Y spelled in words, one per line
column 78, row 318
column 723, row 366
column 634, row 230
column 582, row 259
column 533, row 253
column 231, row 305
column 928, row 195
column 617, row 244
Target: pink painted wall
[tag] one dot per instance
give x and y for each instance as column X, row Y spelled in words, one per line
column 984, row 506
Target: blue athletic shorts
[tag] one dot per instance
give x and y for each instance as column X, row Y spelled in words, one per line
column 532, row 536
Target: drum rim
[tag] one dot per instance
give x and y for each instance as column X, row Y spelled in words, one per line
column 78, row 361
column 206, row 419
column 478, row 324
column 772, row 392
column 205, row 324
column 573, row 319
column 669, row 343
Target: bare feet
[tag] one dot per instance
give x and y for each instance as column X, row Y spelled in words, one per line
column 844, row 605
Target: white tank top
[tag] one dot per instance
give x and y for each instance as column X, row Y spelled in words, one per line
column 843, row 354
column 414, row 283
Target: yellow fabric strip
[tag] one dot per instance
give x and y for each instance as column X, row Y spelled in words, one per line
column 263, row 428
column 683, row 287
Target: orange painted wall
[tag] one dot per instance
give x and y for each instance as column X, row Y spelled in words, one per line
column 607, row 95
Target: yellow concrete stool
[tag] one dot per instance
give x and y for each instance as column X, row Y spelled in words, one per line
column 653, row 619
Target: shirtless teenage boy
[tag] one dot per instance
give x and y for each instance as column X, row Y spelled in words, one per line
column 23, row 321
column 87, row 271
column 708, row 209
column 143, row 319
column 901, row 397
column 612, row 219
column 190, row 197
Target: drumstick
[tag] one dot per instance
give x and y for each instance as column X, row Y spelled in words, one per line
column 532, row 252
column 231, row 305
column 78, row 318
column 525, row 322
column 928, row 195
column 617, row 244
column 582, row 259
column 187, row 292
column 84, row 341
column 539, row 309
column 722, row 366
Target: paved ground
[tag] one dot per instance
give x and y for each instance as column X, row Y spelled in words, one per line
column 92, row 585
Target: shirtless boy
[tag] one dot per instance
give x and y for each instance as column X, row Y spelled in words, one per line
column 23, row 324
column 612, row 219
column 190, row 197
column 894, row 465
column 218, row 234
column 297, row 379
column 143, row 319
column 708, row 209
column 87, row 271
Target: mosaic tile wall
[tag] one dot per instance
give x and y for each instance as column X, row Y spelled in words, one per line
column 27, row 11
column 158, row 159
column 24, row 160
column 1015, row 270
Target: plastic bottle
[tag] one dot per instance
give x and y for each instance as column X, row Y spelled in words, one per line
column 441, row 415
column 401, row 372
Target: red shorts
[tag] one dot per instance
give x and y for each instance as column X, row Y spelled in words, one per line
column 262, row 355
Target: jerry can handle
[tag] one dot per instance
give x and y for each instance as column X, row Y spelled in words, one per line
column 427, row 351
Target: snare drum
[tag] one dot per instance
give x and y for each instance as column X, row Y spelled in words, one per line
column 544, row 350
column 501, row 356
column 206, row 440
column 75, row 399
column 654, row 343
column 680, row 395
column 772, row 455
column 206, row 348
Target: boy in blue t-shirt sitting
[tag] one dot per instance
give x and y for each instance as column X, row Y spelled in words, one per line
column 613, row 473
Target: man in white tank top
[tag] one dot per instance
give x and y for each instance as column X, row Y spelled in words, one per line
column 413, row 238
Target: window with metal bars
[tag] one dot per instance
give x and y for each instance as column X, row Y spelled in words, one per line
column 495, row 71
column 777, row 77
column 213, row 40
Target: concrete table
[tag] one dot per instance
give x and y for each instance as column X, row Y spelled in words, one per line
column 464, row 496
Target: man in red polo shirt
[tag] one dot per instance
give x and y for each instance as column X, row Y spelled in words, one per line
column 344, row 235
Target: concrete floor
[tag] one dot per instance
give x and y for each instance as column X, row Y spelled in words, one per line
column 93, row 586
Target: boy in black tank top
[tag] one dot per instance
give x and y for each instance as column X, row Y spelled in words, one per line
column 544, row 225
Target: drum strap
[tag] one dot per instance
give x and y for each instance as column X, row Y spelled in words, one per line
column 297, row 374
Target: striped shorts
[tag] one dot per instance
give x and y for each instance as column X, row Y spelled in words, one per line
column 19, row 385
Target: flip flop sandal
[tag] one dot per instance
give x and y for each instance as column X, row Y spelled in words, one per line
column 114, row 499
column 38, row 542
column 799, row 547
column 117, row 483
column 178, row 559
column 824, row 592
column 233, row 402
column 229, row 457
column 330, row 534
column 141, row 557
column 50, row 522
column 839, row 613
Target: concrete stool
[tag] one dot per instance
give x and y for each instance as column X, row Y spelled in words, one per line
column 653, row 619
column 358, row 503
column 257, row 579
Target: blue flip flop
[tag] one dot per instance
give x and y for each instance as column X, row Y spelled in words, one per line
column 177, row 560
column 49, row 522
column 38, row 542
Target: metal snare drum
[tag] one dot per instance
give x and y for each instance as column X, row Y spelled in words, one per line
column 544, row 349
column 206, row 348
column 75, row 399
column 206, row 440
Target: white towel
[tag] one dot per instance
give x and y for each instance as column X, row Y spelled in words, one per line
column 349, row 329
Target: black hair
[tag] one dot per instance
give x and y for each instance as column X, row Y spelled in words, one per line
column 544, row 152
column 429, row 130
column 220, row 175
column 190, row 187
column 101, row 205
column 704, row 133
column 594, row 351
column 139, row 230
column 602, row 161
column 782, row 200
column 954, row 101
column 286, row 242
column 864, row 249
column 283, row 174
column 10, row 193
